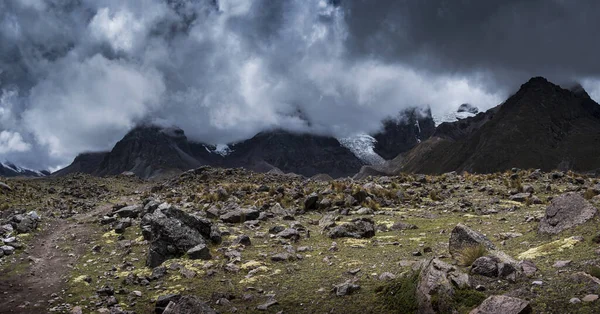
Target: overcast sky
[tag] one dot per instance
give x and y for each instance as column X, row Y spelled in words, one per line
column 76, row 75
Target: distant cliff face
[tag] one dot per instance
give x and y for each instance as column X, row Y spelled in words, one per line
column 541, row 126
column 403, row 132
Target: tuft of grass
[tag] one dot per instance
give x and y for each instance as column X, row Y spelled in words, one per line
column 469, row 254
column 589, row 194
column 400, row 295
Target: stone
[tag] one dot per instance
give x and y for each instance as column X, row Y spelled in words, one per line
column 438, row 280
column 520, row 197
column 502, row 304
column 357, row 228
column 346, row 288
column 528, row 268
column 188, row 305
column 387, row 276
column 399, row 225
column 561, row 264
column 590, row 298
column 265, row 306
column 575, row 300
column 7, row 249
column 240, row 215
column 538, row 283
column 132, row 211
column 485, row 266
column 310, row 203
column 508, row 271
column 566, row 211
column 122, row 225
column 243, row 240
column 164, row 300
column 282, row 257
column 463, row 236
column 199, row 251
column 158, row 272
column 172, row 233
column 5, row 187
column 77, row 310
column 289, row 233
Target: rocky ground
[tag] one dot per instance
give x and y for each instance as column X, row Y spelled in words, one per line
column 230, row 240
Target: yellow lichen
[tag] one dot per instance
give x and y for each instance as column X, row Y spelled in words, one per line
column 549, row 248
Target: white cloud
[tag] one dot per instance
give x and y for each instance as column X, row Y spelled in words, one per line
column 12, row 142
column 89, row 105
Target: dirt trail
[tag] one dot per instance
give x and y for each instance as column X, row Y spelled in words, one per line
column 48, row 261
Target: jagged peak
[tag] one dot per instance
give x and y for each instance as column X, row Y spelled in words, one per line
column 579, row 91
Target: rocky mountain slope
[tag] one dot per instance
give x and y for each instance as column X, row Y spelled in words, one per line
column 150, row 151
column 8, row 169
column 403, row 132
column 235, row 241
column 541, row 126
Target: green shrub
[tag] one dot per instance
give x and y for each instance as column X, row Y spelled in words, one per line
column 400, row 295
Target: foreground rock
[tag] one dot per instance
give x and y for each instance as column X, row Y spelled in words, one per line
column 438, row 282
column 499, row 304
column 172, row 233
column 566, row 211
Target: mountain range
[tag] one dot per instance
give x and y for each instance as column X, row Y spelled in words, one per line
column 151, row 151
column 542, row 126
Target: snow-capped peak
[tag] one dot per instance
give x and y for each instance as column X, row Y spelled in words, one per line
column 10, row 166
column 219, row 149
column 361, row 145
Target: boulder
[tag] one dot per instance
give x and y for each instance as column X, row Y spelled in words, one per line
column 345, row 288
column 463, row 236
column 566, row 211
column 357, row 228
column 132, row 211
column 310, row 202
column 5, row 187
column 520, row 197
column 25, row 223
column 199, row 251
column 437, row 284
column 188, row 305
column 499, row 304
column 485, row 266
column 173, row 233
column 239, row 215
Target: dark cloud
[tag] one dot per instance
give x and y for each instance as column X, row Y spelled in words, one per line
column 76, row 75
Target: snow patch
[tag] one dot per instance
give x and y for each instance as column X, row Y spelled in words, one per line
column 219, row 149
column 361, row 145
column 17, row 169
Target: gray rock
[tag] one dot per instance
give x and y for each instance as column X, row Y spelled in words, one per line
column 463, row 236
column 199, row 251
column 7, row 249
column 282, row 257
column 310, row 202
column 365, row 211
column 485, row 266
column 528, row 268
column 497, row 304
column 399, row 225
column 243, row 240
column 520, row 197
column 346, row 288
column 240, row 215
column 122, row 225
column 566, row 211
column 590, row 298
column 574, row 300
column 387, row 276
column 289, row 233
column 357, row 228
column 5, row 187
column 438, row 280
column 132, row 211
column 561, row 264
column 265, row 306
column 6, row 229
column 172, row 233
column 188, row 305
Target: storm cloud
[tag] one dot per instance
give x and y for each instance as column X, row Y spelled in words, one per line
column 76, row 75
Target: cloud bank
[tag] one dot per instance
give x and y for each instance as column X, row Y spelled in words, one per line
column 76, row 75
